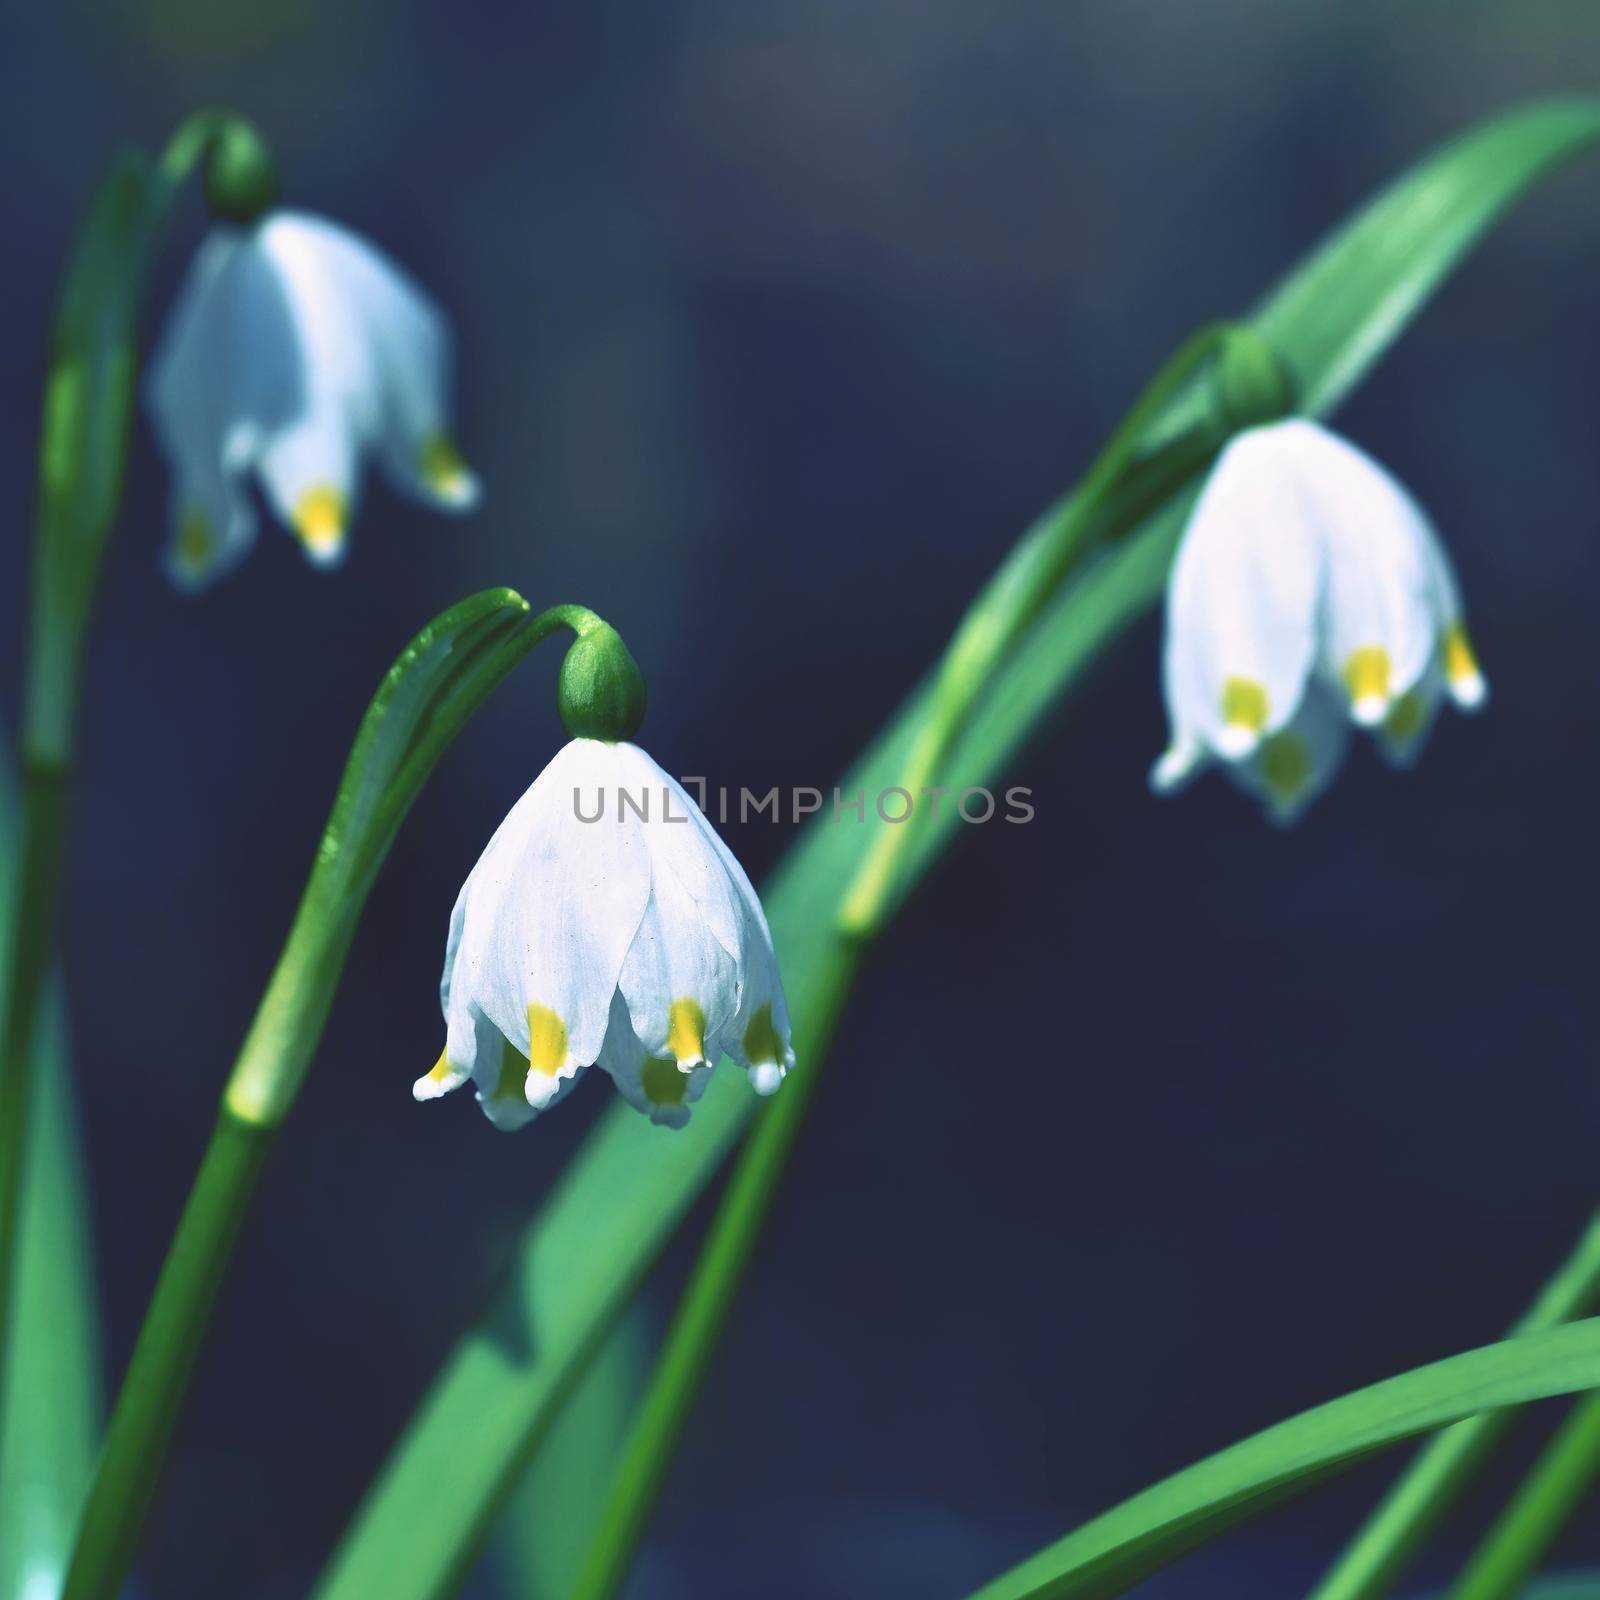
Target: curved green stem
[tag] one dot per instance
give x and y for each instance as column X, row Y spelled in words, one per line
column 1542, row 1506
column 1372, row 1562
column 88, row 402
column 438, row 681
column 147, row 1406
column 1002, row 613
column 1009, row 604
column 703, row 1310
column 32, row 941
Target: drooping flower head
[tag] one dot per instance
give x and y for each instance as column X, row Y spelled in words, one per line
column 294, row 349
column 607, row 924
column 1309, row 592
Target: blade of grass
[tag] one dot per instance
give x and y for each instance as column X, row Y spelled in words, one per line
column 50, row 1405
column 1115, row 1551
column 1541, row 1508
column 1374, row 1559
column 550, row 1519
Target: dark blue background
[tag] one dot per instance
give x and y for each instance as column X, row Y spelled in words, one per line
column 1151, row 1126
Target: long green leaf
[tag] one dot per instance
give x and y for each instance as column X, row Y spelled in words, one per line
column 424, row 700
column 550, row 1520
column 441, row 677
column 50, row 1388
column 1561, row 1586
column 628, row 1188
column 1371, row 1563
column 1115, row 1551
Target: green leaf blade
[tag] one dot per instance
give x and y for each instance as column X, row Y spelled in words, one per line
column 50, row 1394
column 545, row 1532
column 425, row 699
column 441, row 677
column 1143, row 1534
column 1356, row 294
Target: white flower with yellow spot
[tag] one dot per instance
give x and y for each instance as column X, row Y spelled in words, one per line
column 606, row 923
column 293, row 350
column 1309, row 592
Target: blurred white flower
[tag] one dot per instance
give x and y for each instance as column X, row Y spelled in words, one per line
column 1309, row 591
column 293, row 349
column 589, row 933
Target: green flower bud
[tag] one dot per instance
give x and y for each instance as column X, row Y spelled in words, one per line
column 241, row 176
column 1251, row 386
column 601, row 693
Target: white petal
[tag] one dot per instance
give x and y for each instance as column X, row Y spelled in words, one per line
column 293, row 348
column 760, row 1038
column 452, row 941
column 1379, row 619
column 1404, row 733
column 681, row 975
column 310, row 463
column 509, row 1095
column 402, row 380
column 1456, row 663
column 651, row 1083
column 309, row 471
column 1241, row 603
column 440, row 1081
column 1296, row 764
column 1184, row 759
column 213, row 525
column 470, row 1041
column 551, row 909
column 766, row 1077
column 221, row 370
column 226, row 364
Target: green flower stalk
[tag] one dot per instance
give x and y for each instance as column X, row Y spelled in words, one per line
column 1250, row 386
column 1247, row 384
column 428, row 695
column 1374, row 1560
column 1543, row 1505
column 1021, row 590
column 84, row 433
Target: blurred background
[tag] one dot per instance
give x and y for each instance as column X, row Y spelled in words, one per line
column 1150, row 1125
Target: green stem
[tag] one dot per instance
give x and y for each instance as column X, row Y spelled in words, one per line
column 996, row 621
column 1542, row 1506
column 385, row 771
column 147, row 1407
column 1000, row 616
column 83, row 441
column 260, row 1090
column 32, row 940
column 1374, row 1559
column 702, row 1312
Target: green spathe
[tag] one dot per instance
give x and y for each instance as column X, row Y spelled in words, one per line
column 241, row 176
column 1252, row 386
column 601, row 692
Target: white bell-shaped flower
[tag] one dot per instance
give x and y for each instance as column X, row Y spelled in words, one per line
column 294, row 349
column 1309, row 591
column 606, row 923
